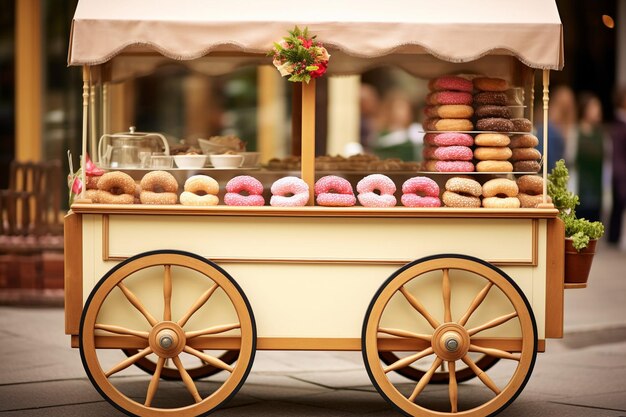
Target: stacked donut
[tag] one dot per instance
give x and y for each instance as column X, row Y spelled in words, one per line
column 531, row 191
column 448, row 152
column 449, row 104
column 500, row 193
column 524, row 156
column 462, row 192
column 492, row 115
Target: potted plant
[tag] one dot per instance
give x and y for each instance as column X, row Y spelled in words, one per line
column 581, row 234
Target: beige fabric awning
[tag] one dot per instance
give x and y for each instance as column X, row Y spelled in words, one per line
column 450, row 30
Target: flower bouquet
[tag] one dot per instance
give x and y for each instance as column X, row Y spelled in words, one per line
column 300, row 56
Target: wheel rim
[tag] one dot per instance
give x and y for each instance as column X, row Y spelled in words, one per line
column 167, row 338
column 449, row 337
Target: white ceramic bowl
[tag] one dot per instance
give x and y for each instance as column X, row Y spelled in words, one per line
column 190, row 161
column 210, row 148
column 250, row 159
column 226, row 161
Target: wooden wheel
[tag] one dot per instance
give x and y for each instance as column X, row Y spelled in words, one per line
column 442, row 375
column 130, row 286
column 442, row 308
column 169, row 371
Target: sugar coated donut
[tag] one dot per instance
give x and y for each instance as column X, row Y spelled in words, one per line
column 525, row 154
column 449, row 97
column 158, row 187
column 448, row 153
column 490, row 110
column 91, row 194
column 496, row 124
column 501, row 202
column 492, row 153
column 490, row 97
column 420, row 192
column 244, row 190
column 289, row 192
column 500, row 187
column 448, row 139
column 450, row 111
column 492, row 139
column 490, row 84
column 530, row 184
column 494, row 166
column 524, row 141
column 92, row 181
column 448, row 124
column 200, row 190
column 116, row 188
column 334, row 191
column 450, row 82
column 454, row 166
column 521, row 124
column 462, row 192
column 526, row 166
column 376, row 182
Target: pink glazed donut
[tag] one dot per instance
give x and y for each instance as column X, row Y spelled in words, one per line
column 454, row 166
column 449, row 97
column 252, row 188
column 385, row 185
column 448, row 153
column 289, row 192
column 448, row 139
column 420, row 192
column 451, row 82
column 334, row 191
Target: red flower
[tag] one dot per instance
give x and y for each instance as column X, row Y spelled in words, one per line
column 321, row 69
column 307, row 43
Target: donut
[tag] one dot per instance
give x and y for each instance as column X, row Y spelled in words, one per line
column 91, row 194
column 448, row 153
column 448, row 124
column 334, row 191
column 490, row 110
column 289, row 192
column 490, row 97
column 376, row 182
column 158, row 187
column 200, row 190
column 454, row 166
column 420, row 192
column 497, row 124
column 524, row 141
column 525, row 154
column 521, row 124
column 490, row 84
column 448, row 139
column 500, row 187
column 531, row 201
column 492, row 153
column 526, row 166
column 498, row 202
column 449, row 97
column 92, row 181
column 450, row 111
column 494, row 166
column 450, row 82
column 462, row 192
column 492, row 139
column 530, row 184
column 244, row 190
column 116, row 188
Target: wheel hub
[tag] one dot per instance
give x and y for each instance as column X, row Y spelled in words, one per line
column 167, row 339
column 450, row 341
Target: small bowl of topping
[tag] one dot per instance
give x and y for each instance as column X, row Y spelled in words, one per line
column 226, row 160
column 190, row 161
column 250, row 159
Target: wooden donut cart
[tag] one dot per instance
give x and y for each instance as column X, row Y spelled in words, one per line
column 459, row 288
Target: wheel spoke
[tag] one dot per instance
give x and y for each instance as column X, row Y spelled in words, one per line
column 419, row 307
column 453, row 389
column 405, row 333
column 495, row 352
column 196, row 306
column 137, row 304
column 191, row 386
column 480, row 297
column 446, row 297
column 404, row 362
column 493, row 323
column 121, row 330
column 480, row 374
column 213, row 330
column 167, row 293
column 425, row 379
column 209, row 359
column 154, row 382
column 128, row 361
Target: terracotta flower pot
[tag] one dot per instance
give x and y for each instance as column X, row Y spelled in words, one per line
column 578, row 264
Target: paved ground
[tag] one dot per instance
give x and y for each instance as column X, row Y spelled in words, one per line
column 582, row 375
